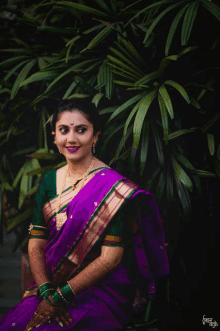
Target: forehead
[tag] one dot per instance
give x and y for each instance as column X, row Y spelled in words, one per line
column 75, row 116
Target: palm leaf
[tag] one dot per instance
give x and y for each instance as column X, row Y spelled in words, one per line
column 122, row 142
column 14, row 222
column 188, row 22
column 184, row 197
column 211, row 143
column 70, row 89
column 38, row 76
column 181, row 174
column 22, row 75
column 217, row 166
column 125, row 105
column 158, row 143
column 160, row 186
column 212, row 7
column 132, row 113
column 10, row 61
column 123, row 65
column 144, row 146
column 130, row 52
column 167, row 101
column 77, row 6
column 178, row 133
column 169, row 186
column 116, row 52
column 140, row 116
column 123, row 72
column 179, row 88
column 159, row 17
column 147, row 8
column 97, row 98
column 98, row 38
column 173, row 28
column 109, row 83
column 165, row 62
column 103, row 5
column 214, row 119
column 148, row 78
column 164, row 118
column 12, row 71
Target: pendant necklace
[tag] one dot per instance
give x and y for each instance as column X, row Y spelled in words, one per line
column 61, row 217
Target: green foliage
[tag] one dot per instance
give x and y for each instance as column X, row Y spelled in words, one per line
column 135, row 63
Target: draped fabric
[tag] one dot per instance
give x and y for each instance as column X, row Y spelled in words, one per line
column 108, row 304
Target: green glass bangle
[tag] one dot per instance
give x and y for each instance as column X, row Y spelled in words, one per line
column 57, row 298
column 67, row 292
column 51, row 303
column 44, row 287
column 47, row 292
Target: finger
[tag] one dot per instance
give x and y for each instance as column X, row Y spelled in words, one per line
column 58, row 320
column 68, row 317
column 63, row 317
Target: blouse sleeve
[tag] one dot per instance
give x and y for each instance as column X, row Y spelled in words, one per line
column 115, row 231
column 38, row 227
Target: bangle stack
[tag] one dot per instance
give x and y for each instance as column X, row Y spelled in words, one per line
column 45, row 290
column 63, row 295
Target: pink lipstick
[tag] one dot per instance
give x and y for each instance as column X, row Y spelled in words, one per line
column 72, row 150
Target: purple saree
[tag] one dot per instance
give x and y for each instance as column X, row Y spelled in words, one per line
column 108, row 304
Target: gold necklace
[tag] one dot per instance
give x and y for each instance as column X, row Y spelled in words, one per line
column 61, row 217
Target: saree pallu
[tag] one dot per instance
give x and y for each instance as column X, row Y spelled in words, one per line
column 108, row 304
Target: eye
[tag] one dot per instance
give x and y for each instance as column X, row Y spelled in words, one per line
column 81, row 130
column 63, row 130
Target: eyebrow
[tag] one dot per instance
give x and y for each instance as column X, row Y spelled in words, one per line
column 75, row 126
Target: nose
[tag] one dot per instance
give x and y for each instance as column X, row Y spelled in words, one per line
column 71, row 136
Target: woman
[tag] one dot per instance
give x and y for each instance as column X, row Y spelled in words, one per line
column 92, row 235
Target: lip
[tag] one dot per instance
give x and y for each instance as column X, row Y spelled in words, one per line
column 73, row 149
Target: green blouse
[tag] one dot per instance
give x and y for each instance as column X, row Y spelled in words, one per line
column 47, row 192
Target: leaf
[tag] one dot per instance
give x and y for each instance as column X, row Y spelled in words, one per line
column 10, row 61
column 70, row 89
column 125, row 105
column 194, row 103
column 79, row 7
column 166, row 61
column 122, row 142
column 179, row 88
column 103, row 5
column 123, row 65
column 179, row 133
column 41, row 63
column 132, row 113
column 188, row 22
column 139, row 118
column 147, row 78
column 22, row 75
column 203, row 173
column 78, row 96
column 44, row 156
column 12, row 71
column 212, row 7
column 160, row 186
column 14, row 222
column 167, row 101
column 170, row 187
column 157, row 142
column 109, row 83
column 184, row 198
column 164, row 118
column 98, row 38
column 173, row 28
column 97, row 98
column 181, row 174
column 211, row 143
column 53, row 29
column 122, row 72
column 214, row 119
column 19, row 175
column 125, row 59
column 107, row 110
column 144, row 146
column 123, row 83
column 186, row 50
column 38, row 76
column 149, row 31
column 217, row 167
column 157, row 4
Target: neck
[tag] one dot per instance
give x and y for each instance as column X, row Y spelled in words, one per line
column 78, row 168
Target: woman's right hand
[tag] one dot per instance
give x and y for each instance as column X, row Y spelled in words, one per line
column 62, row 316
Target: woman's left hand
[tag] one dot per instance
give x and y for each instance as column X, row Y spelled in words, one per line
column 43, row 314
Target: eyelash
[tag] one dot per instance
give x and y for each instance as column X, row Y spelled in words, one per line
column 83, row 130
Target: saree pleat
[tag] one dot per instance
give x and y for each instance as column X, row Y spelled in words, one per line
column 108, row 304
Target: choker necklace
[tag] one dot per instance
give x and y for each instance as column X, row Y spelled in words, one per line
column 61, row 217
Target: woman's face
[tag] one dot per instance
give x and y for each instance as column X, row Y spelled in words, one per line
column 74, row 135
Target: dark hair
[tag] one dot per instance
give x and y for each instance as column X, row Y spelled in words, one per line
column 85, row 106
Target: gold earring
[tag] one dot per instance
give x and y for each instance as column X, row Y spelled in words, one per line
column 93, row 148
column 53, row 133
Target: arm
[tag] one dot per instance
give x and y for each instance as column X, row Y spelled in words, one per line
column 37, row 260
column 108, row 260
